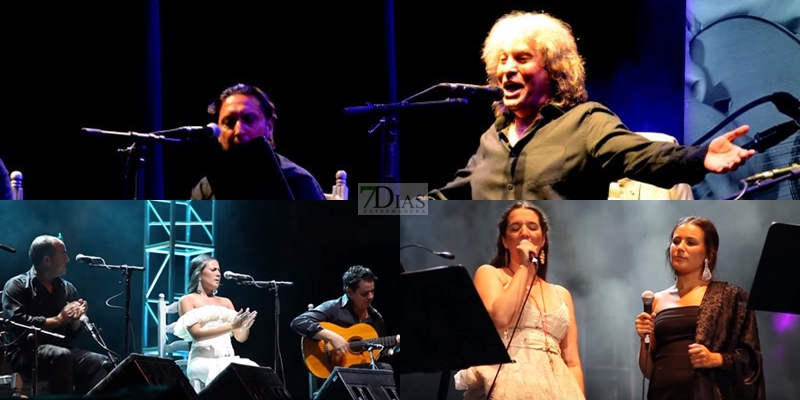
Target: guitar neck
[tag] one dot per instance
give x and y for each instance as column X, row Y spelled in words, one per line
column 386, row 341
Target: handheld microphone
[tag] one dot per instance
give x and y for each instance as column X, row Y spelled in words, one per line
column 234, row 275
column 8, row 248
column 774, row 173
column 532, row 256
column 86, row 259
column 493, row 92
column 647, row 301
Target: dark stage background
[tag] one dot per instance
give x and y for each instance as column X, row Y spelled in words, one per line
column 310, row 246
column 115, row 67
column 606, row 254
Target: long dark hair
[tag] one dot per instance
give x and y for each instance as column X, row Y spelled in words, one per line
column 502, row 257
column 711, row 239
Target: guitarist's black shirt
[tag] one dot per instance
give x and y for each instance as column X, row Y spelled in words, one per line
column 339, row 312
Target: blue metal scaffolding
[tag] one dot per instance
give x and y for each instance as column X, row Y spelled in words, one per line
column 175, row 232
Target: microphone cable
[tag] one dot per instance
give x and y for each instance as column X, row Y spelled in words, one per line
column 113, row 357
column 646, row 360
column 514, row 331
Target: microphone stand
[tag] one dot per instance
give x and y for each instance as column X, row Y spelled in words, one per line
column 388, row 126
column 757, row 102
column 370, row 347
column 273, row 287
column 277, row 167
column 112, row 357
column 443, row 254
column 135, row 156
column 126, row 274
column 760, row 184
column 35, row 336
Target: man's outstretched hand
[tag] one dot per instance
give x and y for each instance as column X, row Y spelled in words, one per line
column 723, row 156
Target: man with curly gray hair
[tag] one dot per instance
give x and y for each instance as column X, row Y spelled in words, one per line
column 549, row 142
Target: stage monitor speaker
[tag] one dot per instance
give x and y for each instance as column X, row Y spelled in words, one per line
column 358, row 384
column 245, row 382
column 137, row 371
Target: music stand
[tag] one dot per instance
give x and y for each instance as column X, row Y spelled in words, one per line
column 772, row 290
column 446, row 325
column 249, row 171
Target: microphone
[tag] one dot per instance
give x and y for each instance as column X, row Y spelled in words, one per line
column 647, row 301
column 444, row 254
column 8, row 248
column 16, row 185
column 86, row 259
column 89, row 326
column 234, row 275
column 774, row 173
column 211, row 129
column 531, row 256
column 786, row 104
column 281, row 283
column 493, row 92
column 772, row 136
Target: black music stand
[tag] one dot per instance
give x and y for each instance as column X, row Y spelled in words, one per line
column 773, row 289
column 249, row 171
column 446, row 326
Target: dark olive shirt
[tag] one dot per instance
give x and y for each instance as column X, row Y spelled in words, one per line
column 572, row 154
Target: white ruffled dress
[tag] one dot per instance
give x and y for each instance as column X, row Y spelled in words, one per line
column 207, row 358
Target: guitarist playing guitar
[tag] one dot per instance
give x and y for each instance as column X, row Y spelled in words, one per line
column 337, row 332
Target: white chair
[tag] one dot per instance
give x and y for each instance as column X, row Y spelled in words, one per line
column 629, row 189
column 340, row 190
column 177, row 347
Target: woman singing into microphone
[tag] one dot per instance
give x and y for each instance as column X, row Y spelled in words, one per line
column 704, row 340
column 209, row 321
column 535, row 318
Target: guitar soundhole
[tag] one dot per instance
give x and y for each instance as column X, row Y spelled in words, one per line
column 355, row 347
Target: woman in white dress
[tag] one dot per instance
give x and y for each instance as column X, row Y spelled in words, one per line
column 534, row 318
column 209, row 321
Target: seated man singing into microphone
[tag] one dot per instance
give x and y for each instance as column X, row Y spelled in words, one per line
column 40, row 297
column 245, row 167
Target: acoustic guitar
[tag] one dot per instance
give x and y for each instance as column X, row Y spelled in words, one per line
column 320, row 358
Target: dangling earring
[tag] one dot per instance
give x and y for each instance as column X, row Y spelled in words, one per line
column 199, row 287
column 542, row 257
column 706, row 272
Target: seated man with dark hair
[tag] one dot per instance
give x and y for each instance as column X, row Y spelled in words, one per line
column 246, row 167
column 353, row 307
column 41, row 298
